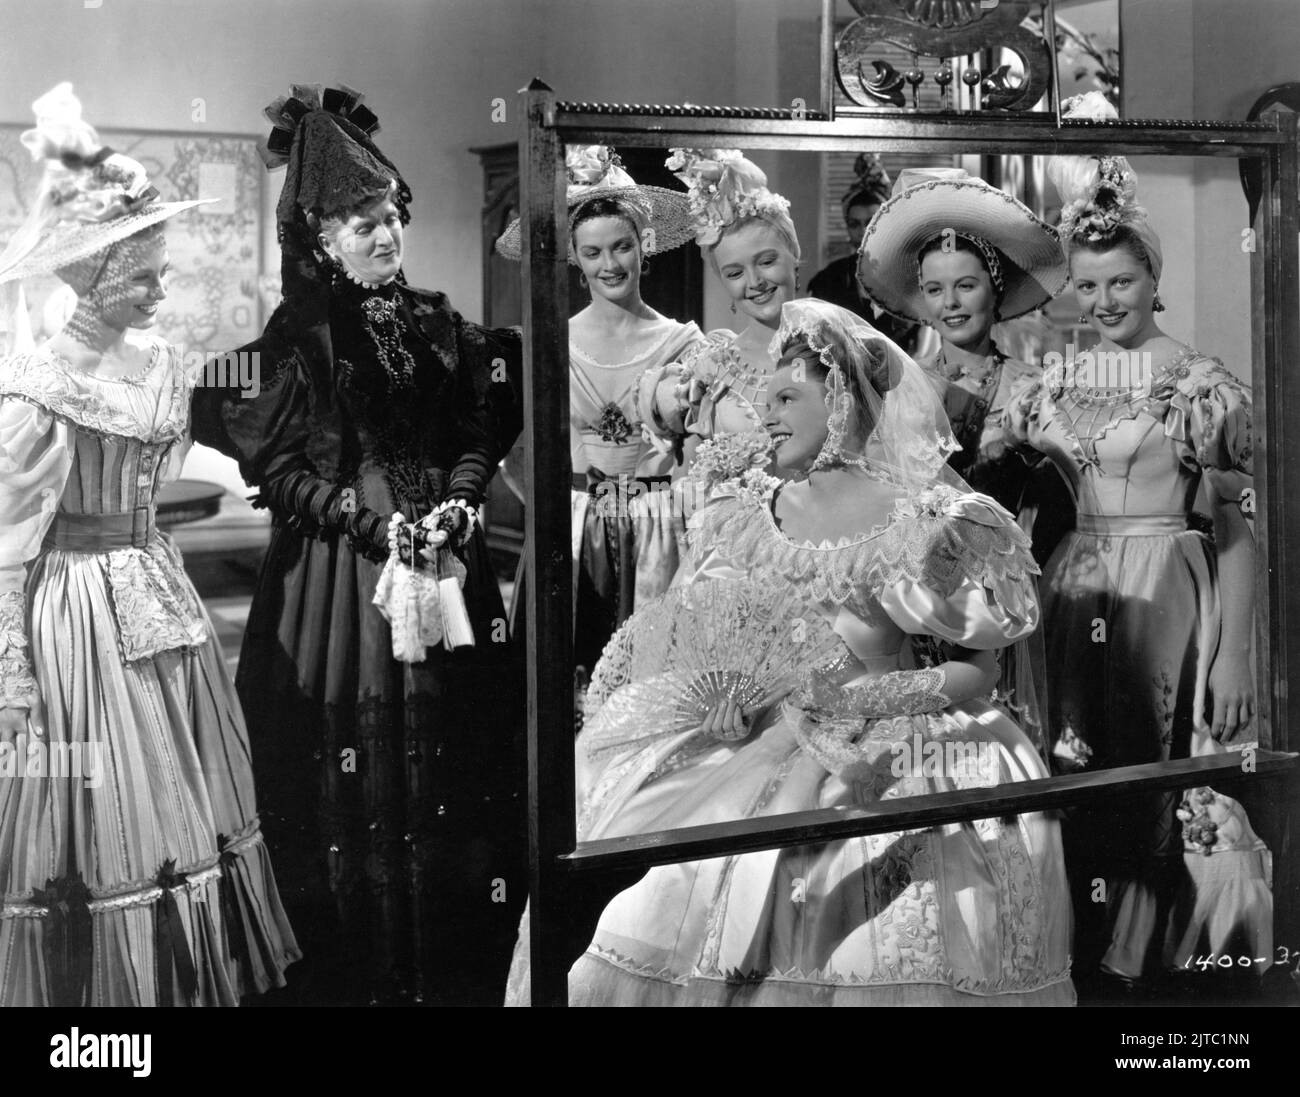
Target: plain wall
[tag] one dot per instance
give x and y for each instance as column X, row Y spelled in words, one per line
column 429, row 68
column 1205, row 59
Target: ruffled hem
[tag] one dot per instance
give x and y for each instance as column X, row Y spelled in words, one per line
column 598, row 981
column 245, row 956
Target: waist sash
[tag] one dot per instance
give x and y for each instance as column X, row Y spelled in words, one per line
column 1130, row 525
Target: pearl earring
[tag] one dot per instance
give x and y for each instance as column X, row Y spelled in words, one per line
column 1083, row 319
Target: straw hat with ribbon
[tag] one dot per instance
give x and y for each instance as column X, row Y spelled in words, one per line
column 90, row 196
column 595, row 171
column 1022, row 250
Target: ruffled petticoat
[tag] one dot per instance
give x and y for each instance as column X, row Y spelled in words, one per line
column 1149, row 604
column 180, row 904
column 968, row 914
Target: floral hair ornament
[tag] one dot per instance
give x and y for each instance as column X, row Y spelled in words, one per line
column 1099, row 193
column 726, row 189
column 661, row 216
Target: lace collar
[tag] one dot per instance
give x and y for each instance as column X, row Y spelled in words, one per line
column 100, row 404
column 939, row 538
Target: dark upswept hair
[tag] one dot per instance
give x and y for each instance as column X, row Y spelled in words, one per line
column 605, row 206
column 959, row 243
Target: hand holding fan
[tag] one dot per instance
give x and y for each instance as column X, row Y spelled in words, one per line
column 698, row 647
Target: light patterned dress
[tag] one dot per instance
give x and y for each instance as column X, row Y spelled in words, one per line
column 146, row 883
column 973, row 913
column 1131, row 618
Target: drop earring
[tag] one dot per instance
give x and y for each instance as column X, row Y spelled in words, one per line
column 1157, row 305
column 1083, row 319
column 733, row 306
column 645, row 267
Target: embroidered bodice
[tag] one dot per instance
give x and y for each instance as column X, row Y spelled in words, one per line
column 398, row 387
column 1139, row 451
column 945, row 564
column 987, row 459
column 604, row 414
column 80, row 454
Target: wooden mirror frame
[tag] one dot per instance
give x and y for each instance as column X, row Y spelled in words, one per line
column 558, row 863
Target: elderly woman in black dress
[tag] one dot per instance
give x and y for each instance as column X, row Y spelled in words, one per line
column 390, row 786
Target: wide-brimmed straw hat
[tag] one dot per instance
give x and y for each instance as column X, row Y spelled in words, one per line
column 595, row 172
column 927, row 201
column 90, row 196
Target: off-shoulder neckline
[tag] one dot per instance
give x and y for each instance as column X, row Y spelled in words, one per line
column 846, row 541
column 674, row 327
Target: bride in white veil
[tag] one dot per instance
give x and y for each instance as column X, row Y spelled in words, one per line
column 920, row 581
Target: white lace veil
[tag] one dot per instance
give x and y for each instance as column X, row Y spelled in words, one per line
column 885, row 415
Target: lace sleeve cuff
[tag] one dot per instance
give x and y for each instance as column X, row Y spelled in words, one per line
column 900, row 693
column 17, row 682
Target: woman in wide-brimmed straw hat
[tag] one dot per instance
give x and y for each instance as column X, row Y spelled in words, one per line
column 136, row 874
column 951, row 251
column 626, row 551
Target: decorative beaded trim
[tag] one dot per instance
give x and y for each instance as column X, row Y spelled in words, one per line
column 135, row 895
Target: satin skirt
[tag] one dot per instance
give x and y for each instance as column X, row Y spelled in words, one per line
column 967, row 914
column 1131, row 622
column 157, row 820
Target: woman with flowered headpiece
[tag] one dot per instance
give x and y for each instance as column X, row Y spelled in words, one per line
column 1147, row 621
column 132, row 865
column 744, row 230
column 625, row 544
column 876, row 541
column 377, row 633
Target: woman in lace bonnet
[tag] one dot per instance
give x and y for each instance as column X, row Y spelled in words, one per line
column 135, row 874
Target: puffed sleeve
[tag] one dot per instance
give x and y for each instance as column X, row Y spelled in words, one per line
column 1210, row 412
column 35, row 458
column 277, row 435
column 661, row 411
column 960, row 569
column 489, row 395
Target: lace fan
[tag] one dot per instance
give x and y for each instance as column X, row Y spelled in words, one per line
column 696, row 646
